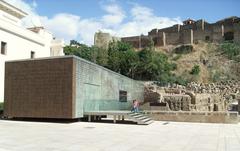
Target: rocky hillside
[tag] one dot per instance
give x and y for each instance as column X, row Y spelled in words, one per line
column 214, row 65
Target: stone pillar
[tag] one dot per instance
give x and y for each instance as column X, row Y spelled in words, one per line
column 222, row 30
column 203, row 24
column 164, row 39
column 179, row 27
column 191, row 37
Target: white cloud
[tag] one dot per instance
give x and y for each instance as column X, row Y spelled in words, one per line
column 29, row 8
column 143, row 20
column 114, row 16
column 140, row 20
column 87, row 29
column 141, row 13
column 71, row 27
column 62, row 25
column 33, row 18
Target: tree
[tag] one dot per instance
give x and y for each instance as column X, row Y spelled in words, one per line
column 120, row 57
column 74, row 43
column 113, row 57
column 81, row 50
column 101, row 56
column 128, row 62
column 153, row 65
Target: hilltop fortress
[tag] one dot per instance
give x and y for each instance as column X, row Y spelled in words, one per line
column 189, row 32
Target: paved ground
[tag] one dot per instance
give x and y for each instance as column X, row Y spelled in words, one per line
column 83, row 136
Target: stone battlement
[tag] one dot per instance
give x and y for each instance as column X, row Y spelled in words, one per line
column 188, row 33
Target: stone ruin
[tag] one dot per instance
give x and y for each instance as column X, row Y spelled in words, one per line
column 222, row 96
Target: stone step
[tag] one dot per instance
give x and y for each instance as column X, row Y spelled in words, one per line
column 146, row 120
column 137, row 116
column 149, row 122
column 141, row 118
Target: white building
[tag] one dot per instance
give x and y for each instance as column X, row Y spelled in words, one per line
column 17, row 42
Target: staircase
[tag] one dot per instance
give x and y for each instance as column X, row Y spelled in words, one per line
column 140, row 118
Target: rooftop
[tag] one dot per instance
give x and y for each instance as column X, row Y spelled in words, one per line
column 10, row 9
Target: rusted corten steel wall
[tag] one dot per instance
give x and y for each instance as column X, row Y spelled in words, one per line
column 64, row 87
column 39, row 88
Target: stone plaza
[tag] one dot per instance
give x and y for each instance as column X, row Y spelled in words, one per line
column 85, row 136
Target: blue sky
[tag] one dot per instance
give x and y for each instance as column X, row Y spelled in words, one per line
column 210, row 10
column 80, row 19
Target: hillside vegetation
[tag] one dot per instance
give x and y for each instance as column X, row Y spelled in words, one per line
column 203, row 62
column 216, row 62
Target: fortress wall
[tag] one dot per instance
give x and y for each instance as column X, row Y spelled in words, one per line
column 159, row 41
column 172, row 38
column 169, row 29
column 236, row 28
column 155, row 40
column 185, row 37
column 145, row 41
column 188, row 34
column 200, row 25
column 134, row 41
column 187, row 27
column 227, row 22
column 207, row 26
column 205, row 35
column 137, row 41
column 153, row 32
column 217, row 33
column 228, row 28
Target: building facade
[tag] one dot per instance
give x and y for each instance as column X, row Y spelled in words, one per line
column 16, row 42
column 65, row 87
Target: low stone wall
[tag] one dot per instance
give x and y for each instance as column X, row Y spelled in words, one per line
column 201, row 117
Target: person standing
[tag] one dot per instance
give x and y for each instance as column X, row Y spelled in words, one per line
column 135, row 108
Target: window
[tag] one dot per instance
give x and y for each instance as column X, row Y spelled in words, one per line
column 122, row 96
column 3, row 48
column 32, row 54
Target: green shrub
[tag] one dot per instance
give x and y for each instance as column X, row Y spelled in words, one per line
column 170, row 79
column 231, row 50
column 195, row 70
